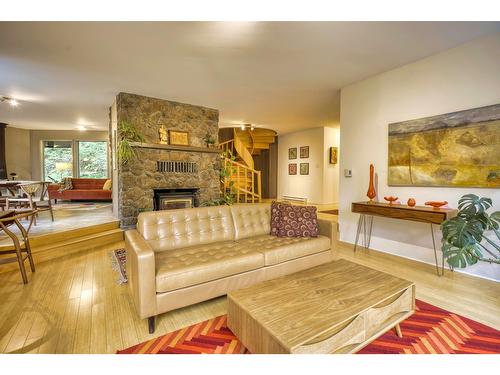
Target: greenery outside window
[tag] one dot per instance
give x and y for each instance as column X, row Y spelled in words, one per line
column 57, row 160
column 92, row 159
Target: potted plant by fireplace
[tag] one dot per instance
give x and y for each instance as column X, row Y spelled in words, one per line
column 209, row 140
column 127, row 134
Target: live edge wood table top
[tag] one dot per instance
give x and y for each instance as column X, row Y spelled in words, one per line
column 398, row 211
column 338, row 307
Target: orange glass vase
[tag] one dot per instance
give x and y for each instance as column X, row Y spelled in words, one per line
column 371, row 193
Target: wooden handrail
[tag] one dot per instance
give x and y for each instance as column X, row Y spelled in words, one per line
column 247, row 188
column 242, row 150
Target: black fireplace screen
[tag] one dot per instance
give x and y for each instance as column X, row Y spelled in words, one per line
column 168, row 199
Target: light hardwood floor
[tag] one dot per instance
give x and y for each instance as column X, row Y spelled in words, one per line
column 73, row 304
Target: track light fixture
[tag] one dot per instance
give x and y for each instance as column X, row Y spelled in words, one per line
column 13, row 102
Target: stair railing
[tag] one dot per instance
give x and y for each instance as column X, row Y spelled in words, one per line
column 246, row 182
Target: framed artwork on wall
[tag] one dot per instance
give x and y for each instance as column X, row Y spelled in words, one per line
column 292, row 168
column 334, row 155
column 458, row 149
column 304, row 168
column 178, row 138
column 292, row 153
column 304, row 152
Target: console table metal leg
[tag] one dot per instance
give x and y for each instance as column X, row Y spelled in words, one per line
column 370, row 232
column 358, row 231
column 439, row 273
column 364, row 231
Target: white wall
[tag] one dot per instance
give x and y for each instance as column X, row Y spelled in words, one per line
column 321, row 185
column 461, row 78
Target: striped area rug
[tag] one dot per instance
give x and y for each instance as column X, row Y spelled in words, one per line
column 430, row 330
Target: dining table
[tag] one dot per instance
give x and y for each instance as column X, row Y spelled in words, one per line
column 12, row 186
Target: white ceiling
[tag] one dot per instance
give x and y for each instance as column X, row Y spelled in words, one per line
column 281, row 75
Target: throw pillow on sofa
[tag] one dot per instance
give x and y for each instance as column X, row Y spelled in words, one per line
column 107, row 185
column 276, row 222
column 66, row 184
column 298, row 221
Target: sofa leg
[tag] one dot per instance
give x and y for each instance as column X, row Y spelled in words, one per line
column 151, row 324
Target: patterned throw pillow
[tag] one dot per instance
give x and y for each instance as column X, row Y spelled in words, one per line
column 66, row 184
column 276, row 217
column 298, row 221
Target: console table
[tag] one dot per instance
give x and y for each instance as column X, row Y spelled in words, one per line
column 421, row 214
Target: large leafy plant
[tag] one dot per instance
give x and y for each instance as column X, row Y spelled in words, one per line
column 464, row 237
column 127, row 134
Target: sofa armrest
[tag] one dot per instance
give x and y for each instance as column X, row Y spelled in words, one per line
column 328, row 228
column 141, row 273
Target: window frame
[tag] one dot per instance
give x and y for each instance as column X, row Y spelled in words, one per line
column 75, row 147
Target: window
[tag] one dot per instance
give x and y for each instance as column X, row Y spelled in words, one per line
column 92, row 159
column 57, row 160
column 86, row 159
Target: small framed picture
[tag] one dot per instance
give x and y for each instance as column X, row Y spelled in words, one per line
column 178, row 138
column 292, row 168
column 304, row 168
column 292, row 153
column 304, row 152
column 334, row 155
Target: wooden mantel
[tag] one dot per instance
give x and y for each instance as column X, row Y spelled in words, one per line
column 159, row 146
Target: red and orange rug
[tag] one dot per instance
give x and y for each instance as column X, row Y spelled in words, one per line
column 430, row 330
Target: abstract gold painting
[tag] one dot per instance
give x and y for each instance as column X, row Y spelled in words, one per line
column 459, row 149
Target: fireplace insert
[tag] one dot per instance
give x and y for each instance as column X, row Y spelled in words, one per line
column 169, row 199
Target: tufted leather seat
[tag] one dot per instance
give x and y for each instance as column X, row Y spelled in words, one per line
column 198, row 264
column 281, row 249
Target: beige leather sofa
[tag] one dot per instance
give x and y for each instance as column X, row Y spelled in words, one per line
column 177, row 258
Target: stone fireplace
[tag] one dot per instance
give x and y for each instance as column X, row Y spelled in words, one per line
column 168, row 199
column 162, row 175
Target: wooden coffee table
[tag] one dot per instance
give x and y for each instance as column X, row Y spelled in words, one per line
column 338, row 307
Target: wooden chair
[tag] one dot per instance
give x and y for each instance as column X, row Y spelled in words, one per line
column 28, row 198
column 20, row 242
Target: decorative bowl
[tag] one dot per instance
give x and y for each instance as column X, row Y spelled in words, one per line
column 391, row 199
column 436, row 204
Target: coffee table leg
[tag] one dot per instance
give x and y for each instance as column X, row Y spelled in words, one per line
column 397, row 328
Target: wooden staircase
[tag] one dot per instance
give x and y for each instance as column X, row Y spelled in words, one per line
column 244, row 181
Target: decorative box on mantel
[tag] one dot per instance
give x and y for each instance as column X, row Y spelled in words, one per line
column 162, row 166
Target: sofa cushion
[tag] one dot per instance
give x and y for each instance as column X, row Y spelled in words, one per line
column 281, row 249
column 251, row 219
column 174, row 229
column 181, row 268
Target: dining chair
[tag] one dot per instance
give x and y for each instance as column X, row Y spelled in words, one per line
column 28, row 199
column 20, row 241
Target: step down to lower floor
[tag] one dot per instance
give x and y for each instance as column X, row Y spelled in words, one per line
column 58, row 244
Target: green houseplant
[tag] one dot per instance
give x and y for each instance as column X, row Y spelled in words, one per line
column 464, row 240
column 127, row 134
column 227, row 191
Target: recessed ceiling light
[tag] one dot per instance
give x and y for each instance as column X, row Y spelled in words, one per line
column 13, row 102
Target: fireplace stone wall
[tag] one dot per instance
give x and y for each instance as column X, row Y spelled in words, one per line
column 135, row 181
